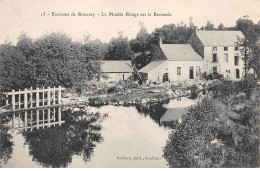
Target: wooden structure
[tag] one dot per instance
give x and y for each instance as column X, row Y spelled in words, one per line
column 32, row 99
column 36, row 118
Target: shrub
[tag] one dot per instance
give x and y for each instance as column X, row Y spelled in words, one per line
column 194, row 91
column 212, row 76
column 111, row 89
column 207, row 137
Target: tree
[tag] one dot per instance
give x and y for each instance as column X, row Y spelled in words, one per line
column 221, row 26
column 209, row 26
column 119, row 49
column 248, row 44
column 142, row 47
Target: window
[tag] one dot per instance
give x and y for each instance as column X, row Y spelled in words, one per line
column 191, row 72
column 214, row 58
column 237, row 73
column 178, row 70
column 225, row 48
column 236, row 46
column 215, row 49
column 226, row 57
column 236, row 60
column 215, row 70
column 197, row 70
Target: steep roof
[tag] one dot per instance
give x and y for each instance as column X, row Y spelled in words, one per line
column 218, row 38
column 180, row 52
column 116, row 66
column 152, row 65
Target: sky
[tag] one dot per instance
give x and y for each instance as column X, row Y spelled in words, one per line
column 18, row 16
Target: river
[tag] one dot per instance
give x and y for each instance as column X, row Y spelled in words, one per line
column 115, row 137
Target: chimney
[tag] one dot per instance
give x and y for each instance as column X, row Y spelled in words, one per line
column 196, row 29
column 160, row 43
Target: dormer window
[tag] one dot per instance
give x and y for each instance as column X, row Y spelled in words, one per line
column 225, row 48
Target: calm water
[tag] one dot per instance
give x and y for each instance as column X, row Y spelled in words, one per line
column 117, row 137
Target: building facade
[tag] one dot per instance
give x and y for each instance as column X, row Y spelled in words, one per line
column 114, row 71
column 182, row 64
column 220, row 52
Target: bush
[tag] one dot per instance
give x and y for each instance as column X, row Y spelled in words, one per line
column 194, row 91
column 212, row 76
column 207, row 137
column 111, row 89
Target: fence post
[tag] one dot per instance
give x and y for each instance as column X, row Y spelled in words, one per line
column 43, row 100
column 54, row 118
column 48, row 96
column 59, row 115
column 37, row 119
column 19, row 120
column 25, row 98
column 19, row 99
column 48, row 117
column 31, row 99
column 13, row 99
column 59, row 95
column 37, row 97
column 53, row 95
column 43, row 112
column 6, row 100
column 25, row 118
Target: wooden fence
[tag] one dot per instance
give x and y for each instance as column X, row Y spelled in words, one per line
column 36, row 118
column 31, row 99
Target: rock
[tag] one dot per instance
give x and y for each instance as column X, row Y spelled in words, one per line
column 155, row 91
column 188, row 92
column 200, row 87
column 75, row 109
column 115, row 104
column 67, row 95
column 170, row 93
column 155, row 100
column 144, row 101
column 81, row 106
column 121, row 103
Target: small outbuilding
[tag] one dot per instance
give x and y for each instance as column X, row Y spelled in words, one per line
column 114, row 71
column 181, row 64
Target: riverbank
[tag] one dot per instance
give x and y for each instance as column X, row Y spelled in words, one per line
column 128, row 94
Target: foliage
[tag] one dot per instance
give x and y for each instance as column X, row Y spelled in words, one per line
column 6, row 145
column 194, row 91
column 55, row 146
column 208, row 136
column 119, row 49
column 111, row 89
column 212, row 76
column 51, row 60
column 248, row 46
column 225, row 88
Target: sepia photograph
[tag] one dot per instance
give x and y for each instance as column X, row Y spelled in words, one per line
column 129, row 83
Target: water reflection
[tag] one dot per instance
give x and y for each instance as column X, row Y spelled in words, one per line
column 155, row 111
column 168, row 112
column 54, row 137
column 176, row 108
column 6, row 145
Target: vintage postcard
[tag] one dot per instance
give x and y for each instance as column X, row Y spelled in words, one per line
column 129, row 83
